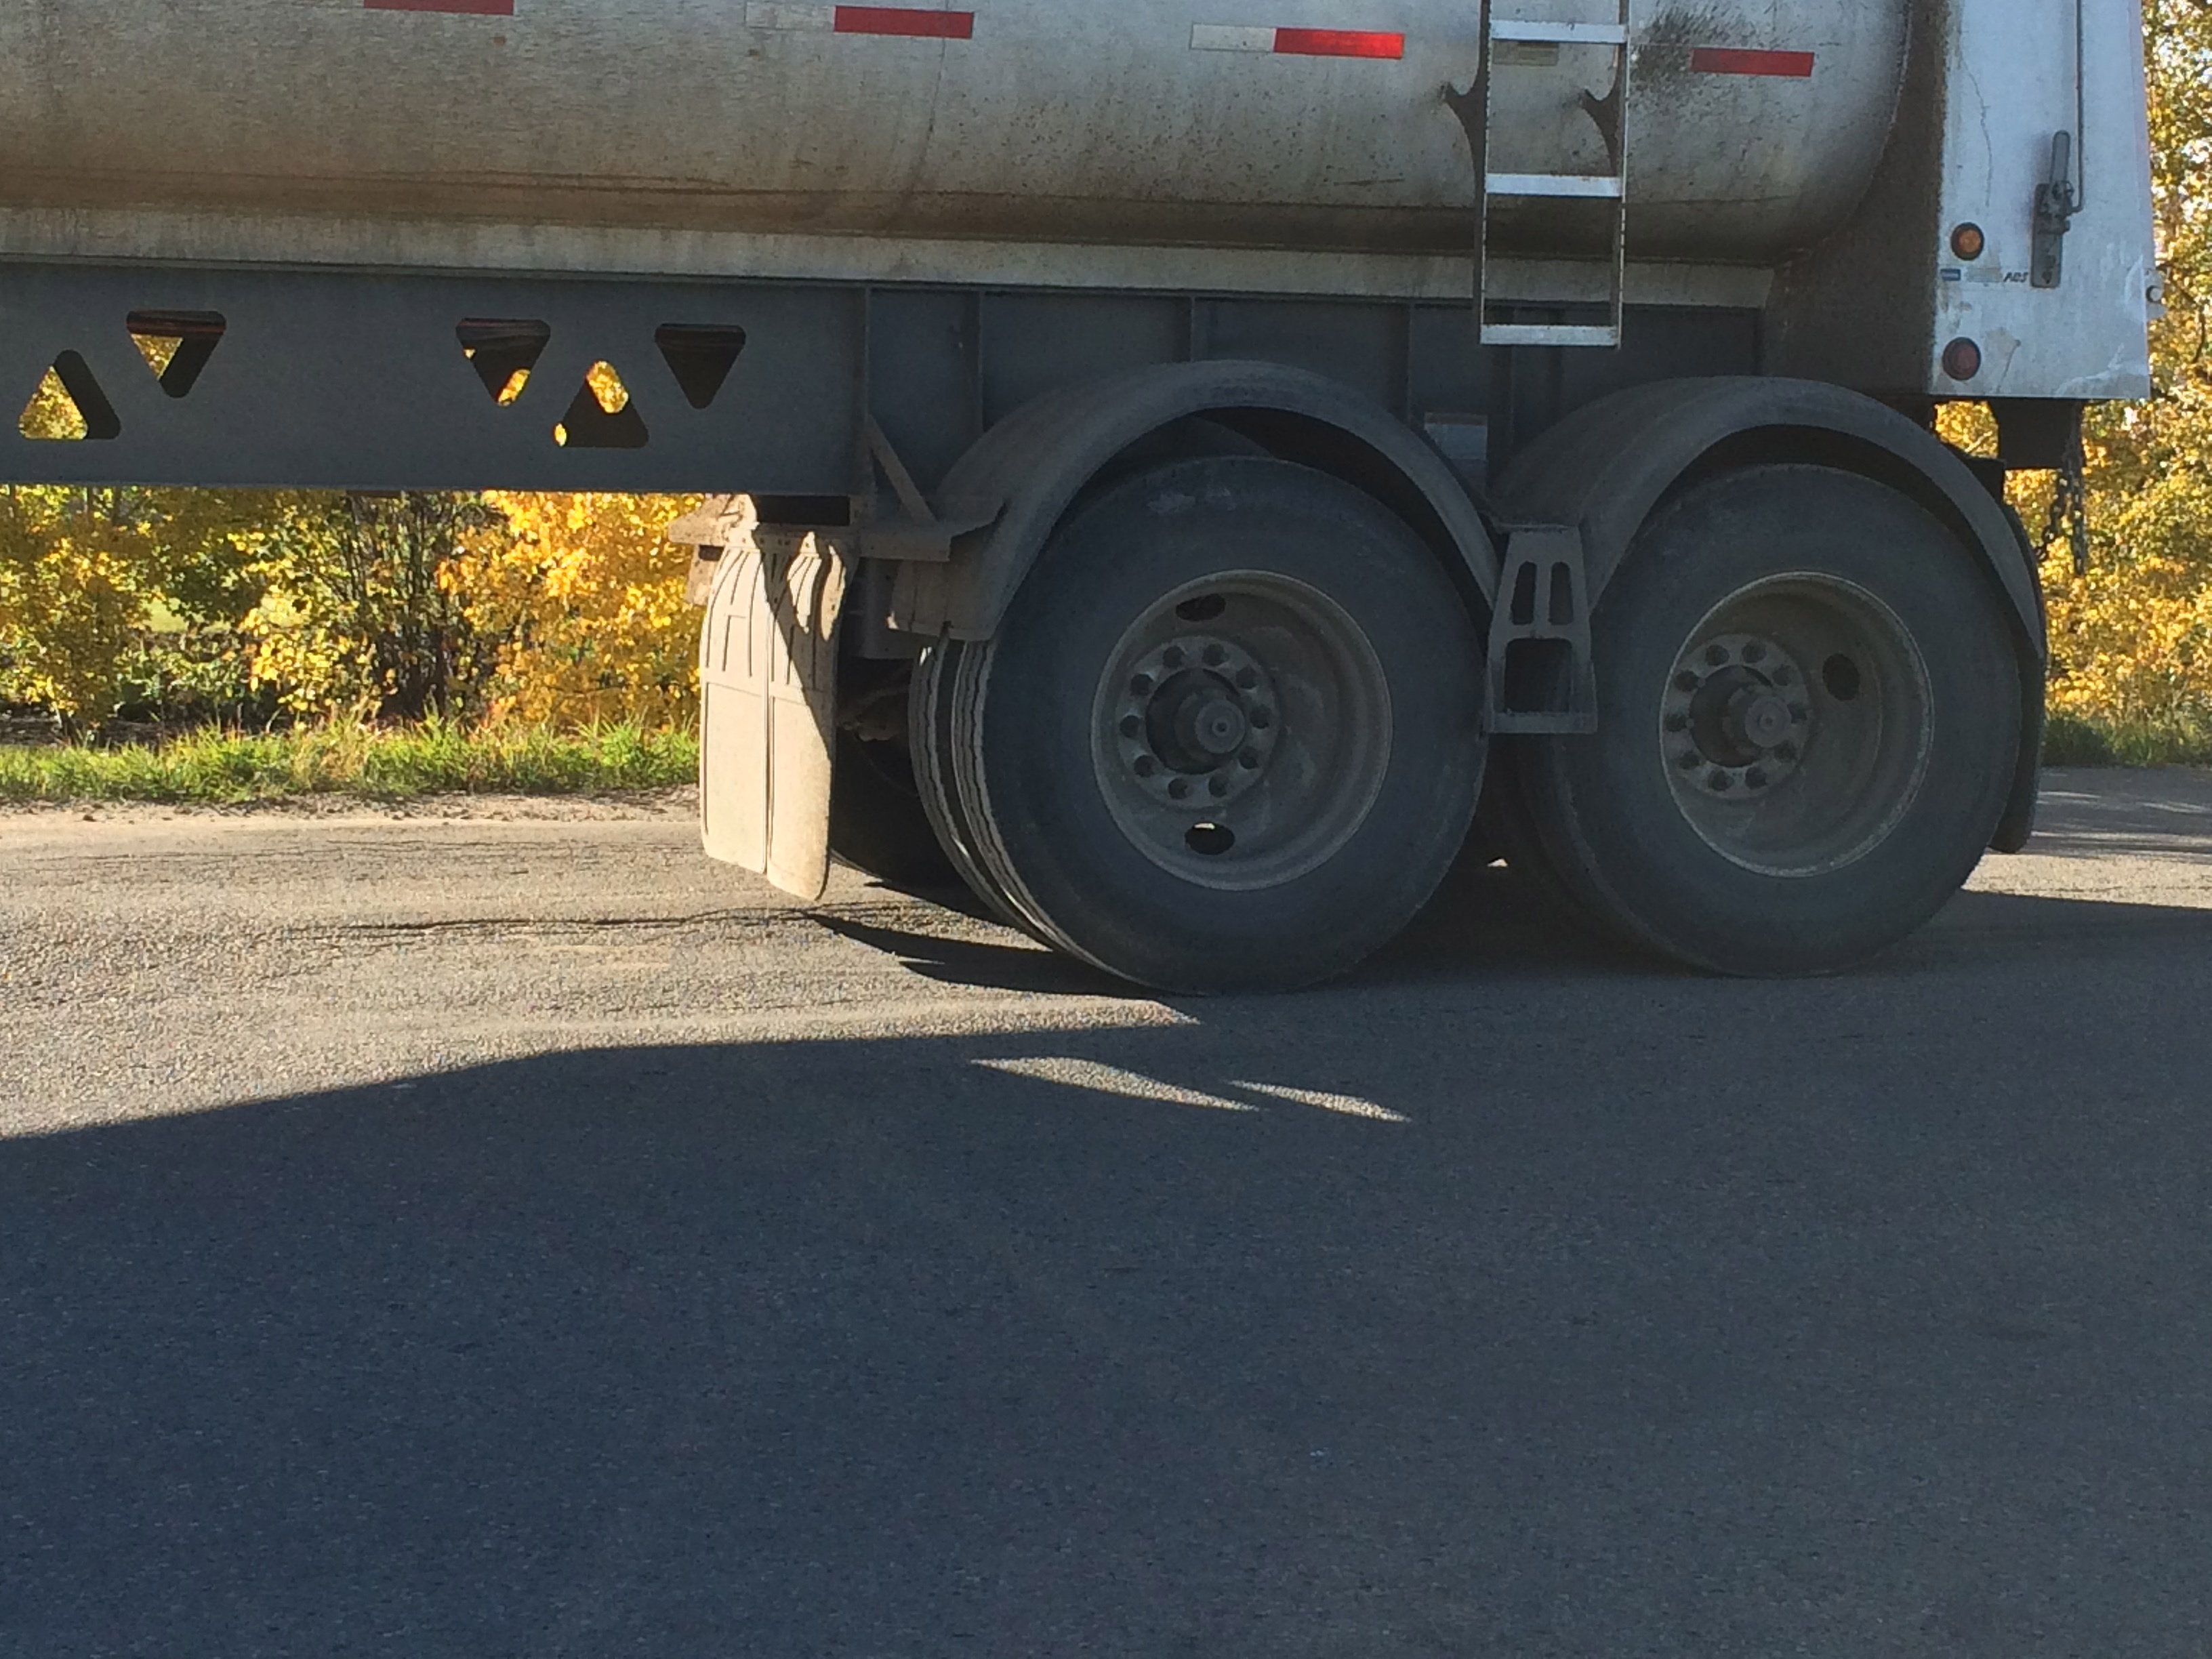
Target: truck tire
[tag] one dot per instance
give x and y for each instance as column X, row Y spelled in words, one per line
column 1810, row 708
column 1229, row 735
column 1505, row 829
column 877, row 824
column 930, row 742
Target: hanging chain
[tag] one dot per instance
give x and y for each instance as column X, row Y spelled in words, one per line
column 2069, row 511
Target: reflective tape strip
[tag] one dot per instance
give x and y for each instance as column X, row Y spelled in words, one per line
column 1729, row 60
column 910, row 22
column 1338, row 43
column 1221, row 37
column 906, row 19
column 1295, row 43
column 463, row 7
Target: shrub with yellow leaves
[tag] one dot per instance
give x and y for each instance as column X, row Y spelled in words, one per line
column 584, row 596
column 2131, row 636
column 72, row 594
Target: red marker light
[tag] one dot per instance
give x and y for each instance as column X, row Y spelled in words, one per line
column 1962, row 359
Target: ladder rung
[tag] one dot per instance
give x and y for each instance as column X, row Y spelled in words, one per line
column 1559, row 34
column 1596, row 187
column 1548, row 334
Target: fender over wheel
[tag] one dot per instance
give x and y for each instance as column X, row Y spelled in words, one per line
column 1811, row 701
column 1228, row 737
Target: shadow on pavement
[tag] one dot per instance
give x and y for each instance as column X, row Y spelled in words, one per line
column 1482, row 920
column 983, row 964
column 2163, row 815
column 1855, row 1318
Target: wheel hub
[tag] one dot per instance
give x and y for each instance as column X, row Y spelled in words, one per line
column 1737, row 716
column 1197, row 722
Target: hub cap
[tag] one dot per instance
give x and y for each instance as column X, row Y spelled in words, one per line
column 1197, row 721
column 1242, row 731
column 1738, row 715
column 1795, row 726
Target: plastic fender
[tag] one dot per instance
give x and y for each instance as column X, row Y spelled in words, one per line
column 1039, row 458
column 1608, row 465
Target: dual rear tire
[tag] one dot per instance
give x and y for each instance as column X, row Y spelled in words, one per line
column 1227, row 737
column 1810, row 706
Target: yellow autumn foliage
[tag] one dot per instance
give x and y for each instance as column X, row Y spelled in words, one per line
column 584, row 596
column 72, row 591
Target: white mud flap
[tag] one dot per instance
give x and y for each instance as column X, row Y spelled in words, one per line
column 768, row 677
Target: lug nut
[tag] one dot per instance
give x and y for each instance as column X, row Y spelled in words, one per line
column 1686, row 682
column 1720, row 782
column 1215, row 656
column 1717, row 655
column 1140, row 685
column 1172, row 657
column 1146, row 766
column 1131, row 726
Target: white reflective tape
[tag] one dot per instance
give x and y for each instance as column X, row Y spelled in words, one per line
column 1225, row 37
column 778, row 15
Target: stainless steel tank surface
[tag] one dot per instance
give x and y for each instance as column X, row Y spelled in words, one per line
column 1754, row 126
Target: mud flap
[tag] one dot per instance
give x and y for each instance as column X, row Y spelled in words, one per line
column 767, row 681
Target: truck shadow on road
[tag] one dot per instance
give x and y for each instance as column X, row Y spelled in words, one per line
column 1641, row 1313
column 1482, row 921
column 1487, row 927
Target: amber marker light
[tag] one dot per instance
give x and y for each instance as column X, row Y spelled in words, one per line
column 1967, row 242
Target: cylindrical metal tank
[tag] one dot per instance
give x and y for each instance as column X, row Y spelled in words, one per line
column 1753, row 129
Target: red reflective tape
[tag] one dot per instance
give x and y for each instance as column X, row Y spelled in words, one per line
column 1338, row 43
column 465, row 8
column 905, row 20
column 1730, row 60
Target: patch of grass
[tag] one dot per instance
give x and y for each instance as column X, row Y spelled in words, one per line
column 227, row 768
column 2072, row 741
column 222, row 767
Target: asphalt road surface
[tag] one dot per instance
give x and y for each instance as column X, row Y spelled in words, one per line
column 495, row 1235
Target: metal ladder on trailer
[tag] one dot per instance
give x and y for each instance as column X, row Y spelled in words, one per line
column 1520, row 35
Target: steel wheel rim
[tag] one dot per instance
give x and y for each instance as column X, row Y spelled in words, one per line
column 1241, row 732
column 1795, row 726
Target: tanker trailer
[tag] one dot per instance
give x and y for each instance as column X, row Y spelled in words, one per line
column 1178, row 457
